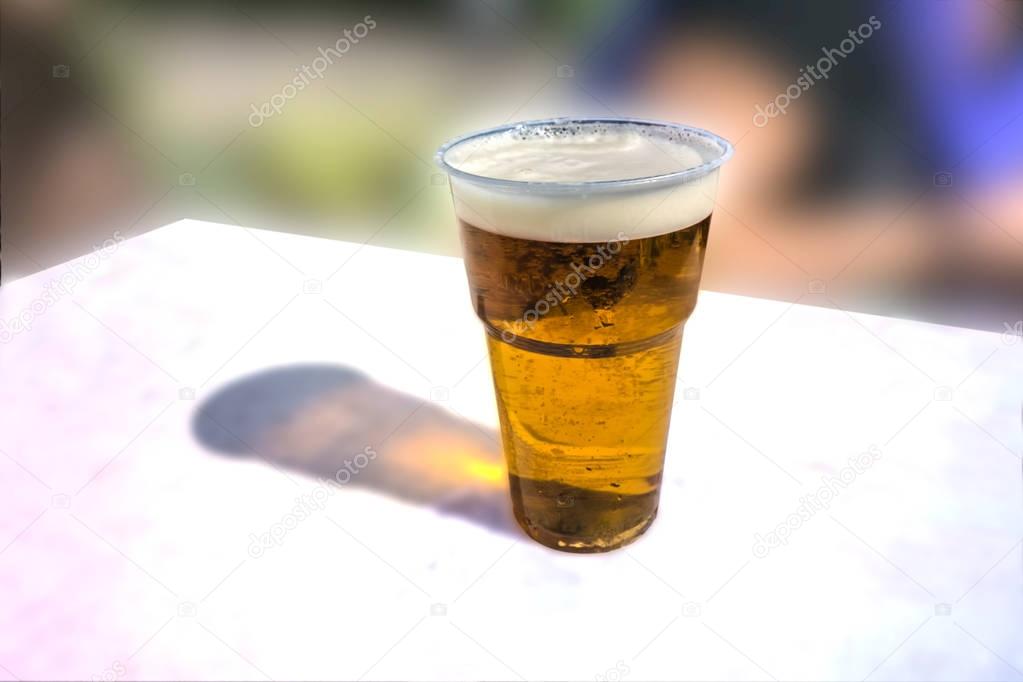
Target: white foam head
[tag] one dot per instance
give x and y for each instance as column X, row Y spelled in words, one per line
column 585, row 181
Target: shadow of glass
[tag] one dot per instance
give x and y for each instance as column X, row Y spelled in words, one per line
column 332, row 422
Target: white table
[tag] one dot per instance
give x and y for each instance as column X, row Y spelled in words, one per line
column 127, row 518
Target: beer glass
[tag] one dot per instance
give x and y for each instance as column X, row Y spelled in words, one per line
column 584, row 241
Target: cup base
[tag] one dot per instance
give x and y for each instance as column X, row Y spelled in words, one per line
column 568, row 543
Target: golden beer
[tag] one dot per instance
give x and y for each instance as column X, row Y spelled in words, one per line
column 584, row 338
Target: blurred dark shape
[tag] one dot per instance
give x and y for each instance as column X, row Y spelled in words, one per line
column 850, row 154
column 316, row 420
column 962, row 65
column 64, row 175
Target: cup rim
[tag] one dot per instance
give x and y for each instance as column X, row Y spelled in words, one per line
column 557, row 187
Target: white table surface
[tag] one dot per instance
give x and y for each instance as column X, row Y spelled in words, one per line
column 190, row 385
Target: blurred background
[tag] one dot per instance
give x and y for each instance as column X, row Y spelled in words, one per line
column 879, row 145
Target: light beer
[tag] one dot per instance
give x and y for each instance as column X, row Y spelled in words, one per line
column 584, row 261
